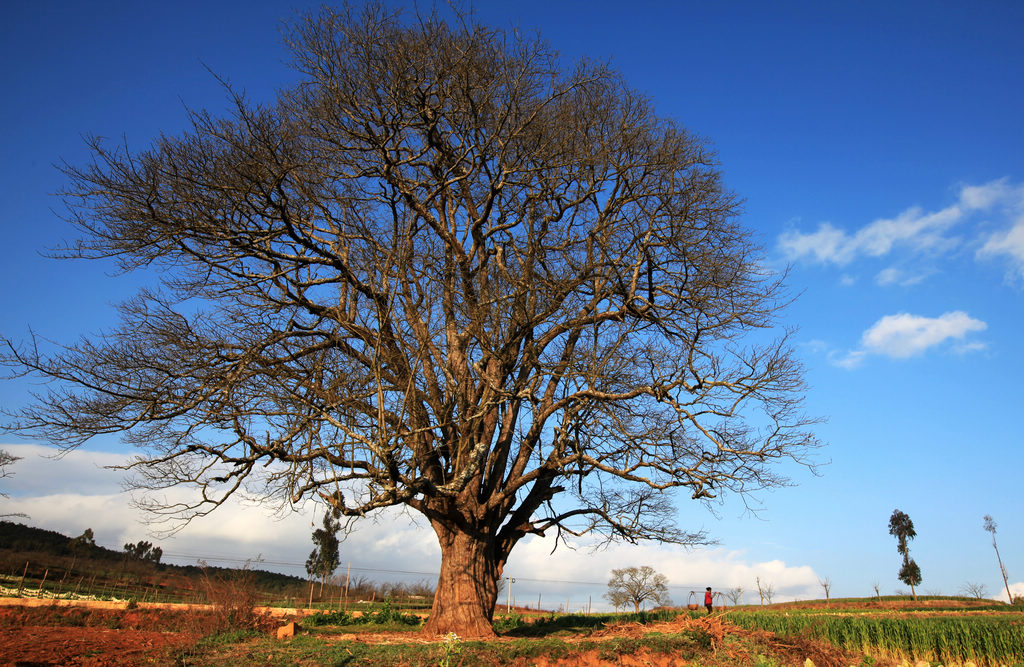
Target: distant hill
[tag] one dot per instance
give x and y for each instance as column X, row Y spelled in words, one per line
column 27, row 539
column 49, row 551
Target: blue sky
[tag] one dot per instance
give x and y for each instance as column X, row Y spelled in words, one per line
column 878, row 147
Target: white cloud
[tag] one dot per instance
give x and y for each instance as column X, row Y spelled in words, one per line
column 912, row 228
column 389, row 546
column 849, row 361
column 1008, row 243
column 42, row 470
column 75, row 492
column 916, row 230
column 537, row 570
column 990, row 194
column 904, row 335
column 828, row 244
column 894, row 276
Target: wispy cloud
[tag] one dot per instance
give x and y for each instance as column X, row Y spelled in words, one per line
column 919, row 231
column 1007, row 244
column 913, row 228
column 894, row 276
column 904, row 335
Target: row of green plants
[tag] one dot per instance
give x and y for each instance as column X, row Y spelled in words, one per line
column 920, row 603
column 984, row 639
column 386, row 614
column 515, row 624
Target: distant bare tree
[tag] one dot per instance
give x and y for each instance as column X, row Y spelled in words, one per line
column 637, row 586
column 990, row 526
column 765, row 591
column 735, row 595
column 441, row 272
column 974, row 590
column 878, row 594
column 826, row 584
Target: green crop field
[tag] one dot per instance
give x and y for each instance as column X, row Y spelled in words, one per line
column 944, row 637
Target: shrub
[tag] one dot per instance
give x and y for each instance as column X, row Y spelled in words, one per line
column 233, row 598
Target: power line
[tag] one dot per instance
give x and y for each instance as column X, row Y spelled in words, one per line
column 354, row 568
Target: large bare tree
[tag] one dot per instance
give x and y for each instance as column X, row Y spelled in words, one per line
column 443, row 272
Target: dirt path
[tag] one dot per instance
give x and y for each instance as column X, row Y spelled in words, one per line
column 39, row 645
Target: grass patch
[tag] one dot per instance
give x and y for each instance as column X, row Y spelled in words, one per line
column 313, row 650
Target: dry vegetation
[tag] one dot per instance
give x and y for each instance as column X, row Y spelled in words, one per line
column 231, row 633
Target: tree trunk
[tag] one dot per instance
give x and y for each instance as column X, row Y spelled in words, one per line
column 1002, row 570
column 467, row 589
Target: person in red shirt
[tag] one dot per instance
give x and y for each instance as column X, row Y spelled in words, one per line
column 707, row 600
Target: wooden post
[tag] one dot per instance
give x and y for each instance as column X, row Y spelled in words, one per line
column 45, row 572
column 348, row 574
column 22, row 584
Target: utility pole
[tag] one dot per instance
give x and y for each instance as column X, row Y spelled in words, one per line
column 508, row 604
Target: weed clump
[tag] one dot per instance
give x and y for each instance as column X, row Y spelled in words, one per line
column 233, row 598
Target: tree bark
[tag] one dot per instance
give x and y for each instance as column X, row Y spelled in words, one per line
column 467, row 588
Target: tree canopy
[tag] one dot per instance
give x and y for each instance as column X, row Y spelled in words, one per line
column 141, row 550
column 445, row 272
column 902, row 528
column 326, row 554
column 637, row 586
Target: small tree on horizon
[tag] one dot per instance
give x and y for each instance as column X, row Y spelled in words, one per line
column 87, row 538
column 326, row 554
column 735, row 595
column 636, row 586
column 142, row 550
column 902, row 528
column 826, row 583
column 765, row 591
column 990, row 526
column 974, row 589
